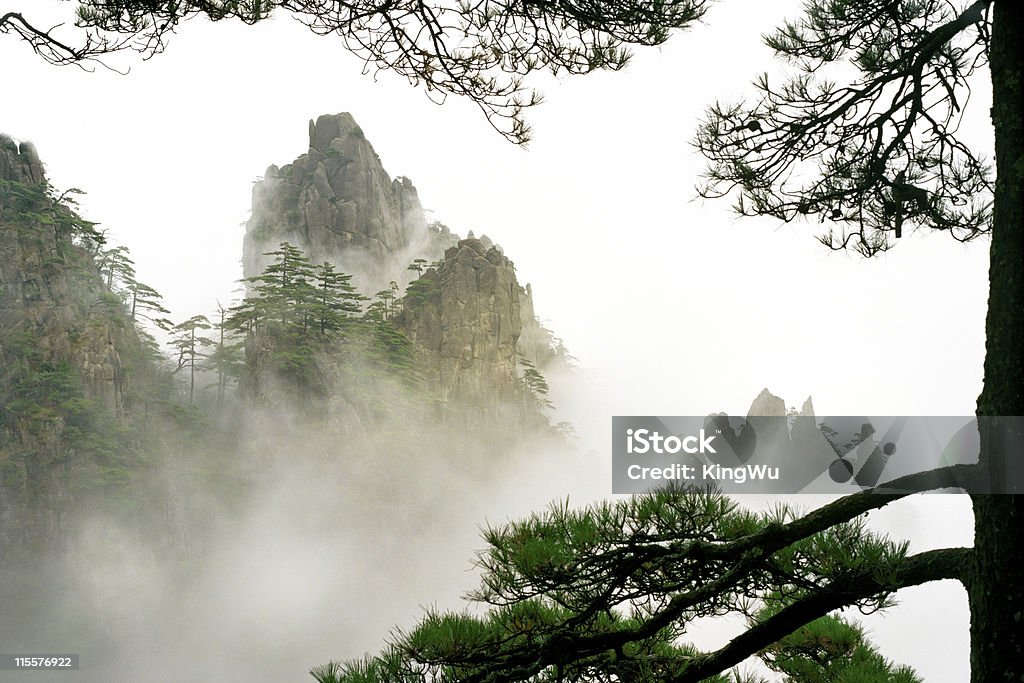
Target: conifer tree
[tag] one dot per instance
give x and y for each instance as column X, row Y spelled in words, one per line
column 535, row 386
column 337, row 302
column 142, row 301
column 609, row 592
column 189, row 342
column 285, row 287
column 227, row 357
column 385, row 303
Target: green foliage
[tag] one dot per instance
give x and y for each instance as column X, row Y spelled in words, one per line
column 140, row 300
column 227, row 357
column 28, row 206
column 70, row 442
column 423, row 289
column 417, row 266
column 306, row 325
column 384, row 305
column 336, row 301
column 295, row 297
column 607, row 591
column 872, row 152
column 189, row 342
column 304, row 314
column 115, row 265
column 46, row 392
column 285, row 287
column 833, row 650
column 390, row 351
column 49, row 423
column 535, row 386
column 109, row 308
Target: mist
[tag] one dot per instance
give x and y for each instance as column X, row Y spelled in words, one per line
column 311, row 544
column 305, row 541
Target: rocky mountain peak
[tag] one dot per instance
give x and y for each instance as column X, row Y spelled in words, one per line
column 20, row 162
column 330, row 127
column 338, row 204
column 767, row 404
column 465, row 312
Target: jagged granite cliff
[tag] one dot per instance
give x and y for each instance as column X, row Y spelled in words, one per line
column 47, row 280
column 465, row 317
column 67, row 350
column 467, row 314
column 338, row 204
column 20, row 162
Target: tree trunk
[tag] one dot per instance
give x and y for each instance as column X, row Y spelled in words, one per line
column 996, row 588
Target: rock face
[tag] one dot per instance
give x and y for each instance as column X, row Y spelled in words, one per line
column 795, row 437
column 465, row 317
column 61, row 349
column 467, row 314
column 20, row 163
column 337, row 203
column 536, row 341
column 767, row 404
column 40, row 293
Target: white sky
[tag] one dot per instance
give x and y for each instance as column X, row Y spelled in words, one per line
column 672, row 305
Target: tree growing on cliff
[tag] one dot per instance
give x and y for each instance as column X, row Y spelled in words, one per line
column 142, row 301
column 297, row 299
column 337, row 302
column 227, row 357
column 190, row 344
column 384, row 305
column 535, row 386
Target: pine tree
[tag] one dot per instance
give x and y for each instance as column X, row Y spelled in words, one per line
column 608, row 593
column 141, row 301
column 227, row 356
column 285, row 287
column 535, row 386
column 337, row 302
column 189, row 343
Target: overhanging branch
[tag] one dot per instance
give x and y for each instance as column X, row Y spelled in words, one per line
column 564, row 646
column 934, row 565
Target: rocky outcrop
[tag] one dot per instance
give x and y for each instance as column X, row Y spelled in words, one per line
column 20, row 162
column 767, row 405
column 338, row 204
column 467, row 315
column 63, row 337
column 466, row 319
column 536, row 341
column 794, row 439
column 46, row 283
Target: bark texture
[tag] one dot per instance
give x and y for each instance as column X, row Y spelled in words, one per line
column 996, row 588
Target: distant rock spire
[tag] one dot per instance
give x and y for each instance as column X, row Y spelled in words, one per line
column 767, row 404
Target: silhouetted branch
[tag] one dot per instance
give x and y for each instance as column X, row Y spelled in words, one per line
column 934, row 565
column 872, row 156
column 685, row 573
column 477, row 50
